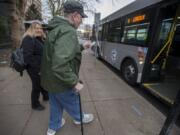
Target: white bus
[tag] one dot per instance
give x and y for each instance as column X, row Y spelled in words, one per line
column 142, row 40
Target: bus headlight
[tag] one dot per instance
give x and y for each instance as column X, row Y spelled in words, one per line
column 141, row 62
column 141, row 58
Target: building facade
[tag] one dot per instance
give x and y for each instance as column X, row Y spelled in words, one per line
column 12, row 15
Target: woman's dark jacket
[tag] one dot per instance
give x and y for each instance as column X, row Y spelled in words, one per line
column 32, row 51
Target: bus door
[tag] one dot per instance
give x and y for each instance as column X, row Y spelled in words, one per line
column 167, row 58
column 173, row 57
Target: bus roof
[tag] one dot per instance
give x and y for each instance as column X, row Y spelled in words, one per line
column 136, row 5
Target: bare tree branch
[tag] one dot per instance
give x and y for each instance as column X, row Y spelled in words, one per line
column 56, row 6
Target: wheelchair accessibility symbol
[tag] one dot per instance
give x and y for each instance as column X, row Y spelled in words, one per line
column 114, row 55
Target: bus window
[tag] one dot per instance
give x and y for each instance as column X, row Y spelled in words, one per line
column 105, row 32
column 164, row 33
column 142, row 34
column 114, row 35
column 136, row 35
column 114, row 31
column 131, row 35
column 175, row 47
column 165, row 29
column 99, row 35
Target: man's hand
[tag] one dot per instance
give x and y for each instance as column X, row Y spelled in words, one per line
column 78, row 87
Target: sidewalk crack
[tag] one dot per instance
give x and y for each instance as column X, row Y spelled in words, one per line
column 101, row 125
column 27, row 121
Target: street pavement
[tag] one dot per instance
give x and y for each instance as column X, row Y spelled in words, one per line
column 118, row 108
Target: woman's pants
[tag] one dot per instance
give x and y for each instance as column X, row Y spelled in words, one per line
column 36, row 87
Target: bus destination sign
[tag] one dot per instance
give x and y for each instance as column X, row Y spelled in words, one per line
column 136, row 19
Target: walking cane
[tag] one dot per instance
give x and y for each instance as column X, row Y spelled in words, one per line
column 82, row 129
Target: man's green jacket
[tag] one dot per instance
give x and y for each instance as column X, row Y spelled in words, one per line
column 61, row 57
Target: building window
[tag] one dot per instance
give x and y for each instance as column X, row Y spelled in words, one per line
column 4, row 31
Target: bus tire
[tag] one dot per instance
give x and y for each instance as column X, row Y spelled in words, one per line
column 129, row 72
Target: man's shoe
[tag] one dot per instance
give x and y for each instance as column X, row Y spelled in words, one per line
column 86, row 119
column 53, row 132
column 38, row 107
column 62, row 122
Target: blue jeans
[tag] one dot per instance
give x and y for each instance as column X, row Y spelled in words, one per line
column 67, row 100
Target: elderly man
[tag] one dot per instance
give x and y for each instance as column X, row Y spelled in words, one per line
column 60, row 67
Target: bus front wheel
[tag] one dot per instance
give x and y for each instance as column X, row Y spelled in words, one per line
column 129, row 72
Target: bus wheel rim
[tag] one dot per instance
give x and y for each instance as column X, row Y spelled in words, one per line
column 130, row 72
